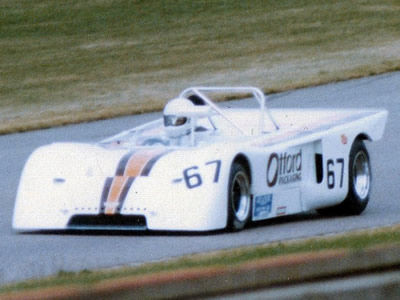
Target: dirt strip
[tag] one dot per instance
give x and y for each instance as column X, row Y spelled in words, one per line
column 199, row 282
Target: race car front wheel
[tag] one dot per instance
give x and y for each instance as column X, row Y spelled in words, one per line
column 239, row 198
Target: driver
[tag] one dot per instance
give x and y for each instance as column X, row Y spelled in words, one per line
column 177, row 124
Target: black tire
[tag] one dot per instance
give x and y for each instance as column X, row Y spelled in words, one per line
column 359, row 183
column 239, row 198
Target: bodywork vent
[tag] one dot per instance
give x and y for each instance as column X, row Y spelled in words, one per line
column 108, row 222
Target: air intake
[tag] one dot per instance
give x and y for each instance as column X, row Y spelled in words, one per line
column 107, row 222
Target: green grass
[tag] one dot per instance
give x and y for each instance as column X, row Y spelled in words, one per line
column 226, row 258
column 70, row 61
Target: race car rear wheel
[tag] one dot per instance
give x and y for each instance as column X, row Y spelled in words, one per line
column 239, row 198
column 359, row 183
column 359, row 180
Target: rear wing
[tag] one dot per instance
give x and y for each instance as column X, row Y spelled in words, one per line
column 257, row 94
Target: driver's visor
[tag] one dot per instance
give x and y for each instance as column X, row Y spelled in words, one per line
column 174, row 121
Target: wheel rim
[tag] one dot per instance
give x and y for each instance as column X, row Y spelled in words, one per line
column 361, row 175
column 240, row 194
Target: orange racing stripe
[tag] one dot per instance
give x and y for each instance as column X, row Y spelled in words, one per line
column 114, row 194
column 130, row 166
column 138, row 161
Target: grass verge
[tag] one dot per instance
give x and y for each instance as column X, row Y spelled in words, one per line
column 228, row 258
column 72, row 61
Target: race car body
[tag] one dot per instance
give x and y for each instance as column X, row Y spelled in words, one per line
column 202, row 168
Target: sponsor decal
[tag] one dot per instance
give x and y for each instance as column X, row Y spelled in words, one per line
column 343, row 139
column 284, row 168
column 131, row 165
column 262, row 207
column 281, row 210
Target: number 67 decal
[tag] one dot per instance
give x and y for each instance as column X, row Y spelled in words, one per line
column 330, row 167
column 193, row 178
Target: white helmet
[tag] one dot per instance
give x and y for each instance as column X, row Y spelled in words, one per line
column 176, row 120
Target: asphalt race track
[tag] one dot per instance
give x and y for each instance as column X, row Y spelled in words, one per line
column 35, row 255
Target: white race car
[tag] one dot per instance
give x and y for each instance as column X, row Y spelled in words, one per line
column 203, row 167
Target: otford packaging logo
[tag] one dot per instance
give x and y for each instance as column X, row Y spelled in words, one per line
column 284, row 168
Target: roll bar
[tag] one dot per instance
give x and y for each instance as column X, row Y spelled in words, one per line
column 257, row 93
